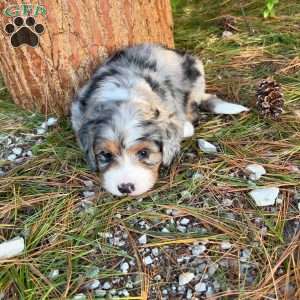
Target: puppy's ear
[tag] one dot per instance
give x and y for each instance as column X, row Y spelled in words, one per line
column 86, row 139
column 167, row 126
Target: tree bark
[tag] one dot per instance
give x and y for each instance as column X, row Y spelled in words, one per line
column 78, row 35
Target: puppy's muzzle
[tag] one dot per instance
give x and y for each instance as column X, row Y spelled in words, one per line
column 126, row 188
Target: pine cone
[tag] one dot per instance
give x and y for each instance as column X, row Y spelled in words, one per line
column 228, row 23
column 269, row 99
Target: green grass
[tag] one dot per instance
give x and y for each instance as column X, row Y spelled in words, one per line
column 41, row 199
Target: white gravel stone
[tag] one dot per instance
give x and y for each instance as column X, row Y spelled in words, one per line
column 169, row 211
column 245, row 255
column 88, row 194
column 185, row 195
column 142, row 223
column 125, row 293
column 201, row 267
column 198, row 249
column 53, row 274
column 206, row 147
column 230, row 216
column 106, row 285
column 165, row 292
column 88, row 183
column 185, row 278
column 298, row 205
column 143, row 239
column 19, row 160
column 86, row 203
column 255, row 171
column 100, row 293
column 185, row 221
column 41, row 131
column 264, row 231
column 155, row 251
column 227, row 34
column 117, row 241
column 44, row 125
column 225, row 245
column 79, row 297
column 183, row 258
column 200, row 287
column 197, row 176
column 52, row 121
column 181, row 289
column 216, row 285
column 106, row 235
column 113, row 292
column 224, row 263
column 212, row 269
column 157, row 277
column 17, row 150
column 125, row 267
column 92, row 272
column 165, row 230
column 129, row 284
column 265, row 196
column 92, row 285
column 204, row 242
column 209, row 292
column 227, row 202
column 148, row 260
column 2, row 173
column 180, row 259
column 29, row 153
column 189, row 294
column 12, row 157
column 181, row 228
column 12, row 248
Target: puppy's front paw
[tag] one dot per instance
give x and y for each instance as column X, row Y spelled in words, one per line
column 188, row 129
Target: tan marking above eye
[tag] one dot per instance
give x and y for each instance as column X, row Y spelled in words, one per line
column 140, row 146
column 155, row 156
column 108, row 146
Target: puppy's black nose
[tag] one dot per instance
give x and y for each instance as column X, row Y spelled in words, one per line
column 126, row 188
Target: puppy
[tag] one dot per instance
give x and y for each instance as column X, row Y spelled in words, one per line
column 131, row 116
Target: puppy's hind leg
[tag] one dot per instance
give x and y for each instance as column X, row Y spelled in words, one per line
column 216, row 105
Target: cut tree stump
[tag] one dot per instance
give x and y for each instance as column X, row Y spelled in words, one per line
column 78, row 35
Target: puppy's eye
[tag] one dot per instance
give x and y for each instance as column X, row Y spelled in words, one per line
column 143, row 154
column 105, row 157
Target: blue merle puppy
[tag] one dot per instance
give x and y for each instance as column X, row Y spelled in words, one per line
column 131, row 116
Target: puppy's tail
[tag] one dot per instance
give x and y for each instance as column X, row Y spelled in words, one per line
column 212, row 103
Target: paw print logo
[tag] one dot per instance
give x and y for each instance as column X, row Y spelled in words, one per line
column 24, row 31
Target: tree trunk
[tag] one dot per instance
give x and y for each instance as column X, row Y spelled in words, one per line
column 78, row 35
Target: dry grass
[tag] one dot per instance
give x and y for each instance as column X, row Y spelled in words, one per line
column 41, row 199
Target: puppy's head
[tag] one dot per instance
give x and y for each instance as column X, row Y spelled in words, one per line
column 131, row 169
column 125, row 145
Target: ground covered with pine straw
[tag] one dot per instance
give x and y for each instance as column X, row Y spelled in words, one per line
column 198, row 234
